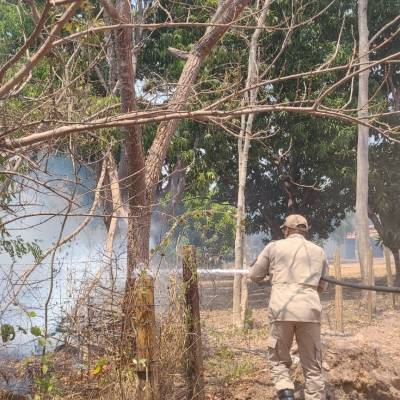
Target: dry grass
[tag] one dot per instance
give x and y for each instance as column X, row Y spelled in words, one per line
column 352, row 269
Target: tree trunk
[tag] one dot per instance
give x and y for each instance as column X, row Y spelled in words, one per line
column 243, row 149
column 250, row 99
column 138, row 231
column 134, row 182
column 362, row 225
column 396, row 257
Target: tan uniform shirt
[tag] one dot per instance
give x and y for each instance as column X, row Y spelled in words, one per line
column 295, row 267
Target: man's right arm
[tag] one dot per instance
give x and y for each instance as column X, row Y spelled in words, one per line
column 260, row 268
column 322, row 286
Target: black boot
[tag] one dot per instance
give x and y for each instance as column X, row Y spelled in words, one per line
column 286, row 394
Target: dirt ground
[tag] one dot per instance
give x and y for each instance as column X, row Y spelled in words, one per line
column 351, row 269
column 362, row 364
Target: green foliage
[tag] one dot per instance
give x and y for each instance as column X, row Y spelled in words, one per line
column 212, row 229
column 31, row 314
column 36, row 331
column 17, row 247
column 7, row 333
column 11, row 25
column 321, row 151
column 312, row 178
column 156, row 61
column 46, row 382
column 100, row 364
column 208, row 225
column 384, row 191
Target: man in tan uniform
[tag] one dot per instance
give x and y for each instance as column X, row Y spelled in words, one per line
column 295, row 267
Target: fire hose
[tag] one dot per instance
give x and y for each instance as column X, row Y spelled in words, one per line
column 386, row 289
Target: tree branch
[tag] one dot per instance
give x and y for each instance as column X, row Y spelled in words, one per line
column 18, row 77
column 20, row 53
column 227, row 13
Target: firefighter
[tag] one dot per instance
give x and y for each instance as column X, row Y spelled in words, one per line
column 294, row 266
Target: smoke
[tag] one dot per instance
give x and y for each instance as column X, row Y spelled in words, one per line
column 73, row 262
column 77, row 262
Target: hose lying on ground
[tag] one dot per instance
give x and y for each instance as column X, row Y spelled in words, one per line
column 392, row 289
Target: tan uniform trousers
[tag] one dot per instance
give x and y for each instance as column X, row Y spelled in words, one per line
column 308, row 337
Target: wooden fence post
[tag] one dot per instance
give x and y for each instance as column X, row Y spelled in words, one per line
column 390, row 280
column 146, row 368
column 193, row 356
column 338, row 293
column 371, row 298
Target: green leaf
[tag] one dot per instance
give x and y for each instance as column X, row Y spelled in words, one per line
column 7, row 333
column 31, row 314
column 97, row 370
column 45, row 368
column 36, row 331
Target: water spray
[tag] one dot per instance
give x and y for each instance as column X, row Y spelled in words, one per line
column 223, row 272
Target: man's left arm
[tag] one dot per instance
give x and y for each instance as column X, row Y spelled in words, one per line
column 260, row 268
